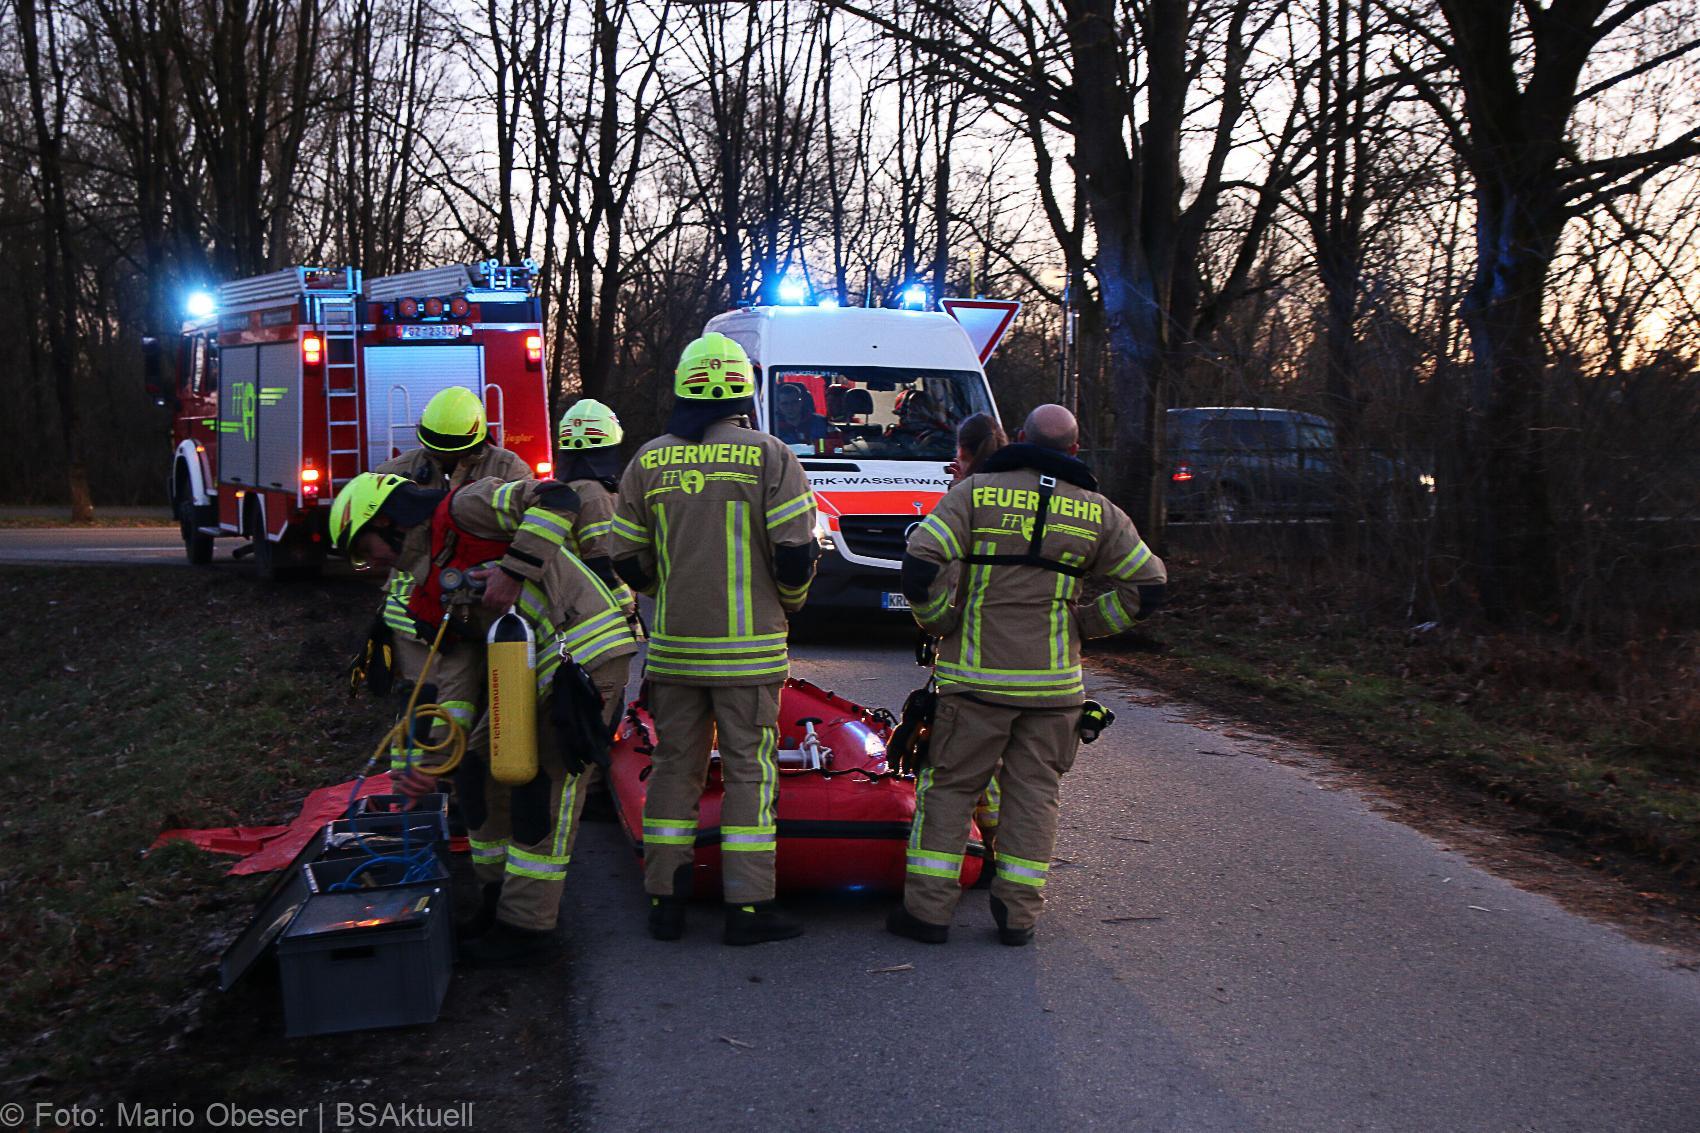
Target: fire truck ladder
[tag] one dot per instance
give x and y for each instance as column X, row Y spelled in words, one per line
column 339, row 319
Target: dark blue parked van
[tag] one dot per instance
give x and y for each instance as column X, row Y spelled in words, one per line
column 1228, row 463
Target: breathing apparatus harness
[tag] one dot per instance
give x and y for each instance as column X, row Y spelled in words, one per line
column 1051, row 467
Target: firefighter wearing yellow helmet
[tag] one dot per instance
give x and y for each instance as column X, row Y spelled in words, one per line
column 455, row 450
column 455, row 446
column 588, row 461
column 717, row 521
column 513, row 540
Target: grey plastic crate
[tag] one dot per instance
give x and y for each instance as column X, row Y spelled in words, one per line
column 366, row 958
column 428, row 821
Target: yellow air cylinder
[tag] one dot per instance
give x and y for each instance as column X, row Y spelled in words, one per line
column 510, row 654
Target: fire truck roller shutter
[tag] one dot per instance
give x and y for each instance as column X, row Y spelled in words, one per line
column 238, row 406
column 278, row 413
column 421, row 369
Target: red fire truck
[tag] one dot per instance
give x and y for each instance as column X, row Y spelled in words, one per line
column 285, row 386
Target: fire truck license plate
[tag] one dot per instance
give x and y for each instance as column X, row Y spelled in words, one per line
column 427, row 331
column 894, row 601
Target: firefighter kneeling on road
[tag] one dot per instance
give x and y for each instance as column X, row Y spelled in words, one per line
column 480, row 551
column 995, row 572
column 717, row 520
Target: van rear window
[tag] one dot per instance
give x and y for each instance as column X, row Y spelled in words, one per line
column 1242, row 433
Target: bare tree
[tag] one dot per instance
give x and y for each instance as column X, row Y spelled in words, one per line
column 1523, row 75
column 48, row 81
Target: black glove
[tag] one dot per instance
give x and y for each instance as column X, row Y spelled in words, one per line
column 1151, row 599
column 374, row 663
column 907, row 752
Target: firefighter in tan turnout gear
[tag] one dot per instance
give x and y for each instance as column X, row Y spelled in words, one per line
column 996, row 572
column 588, row 462
column 717, row 521
column 455, row 450
column 514, row 539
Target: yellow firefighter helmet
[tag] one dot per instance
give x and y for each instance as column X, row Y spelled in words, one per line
column 714, row 368
column 453, row 421
column 589, row 424
column 358, row 502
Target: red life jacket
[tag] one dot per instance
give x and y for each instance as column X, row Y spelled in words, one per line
column 451, row 546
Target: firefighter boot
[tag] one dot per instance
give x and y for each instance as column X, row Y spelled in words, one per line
column 505, row 946
column 901, row 922
column 1014, row 937
column 666, row 917
column 490, row 894
column 759, row 922
column 667, row 910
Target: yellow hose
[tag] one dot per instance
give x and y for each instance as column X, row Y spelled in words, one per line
column 454, row 741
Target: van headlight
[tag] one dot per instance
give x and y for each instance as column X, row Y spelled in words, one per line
column 823, row 535
column 1427, row 481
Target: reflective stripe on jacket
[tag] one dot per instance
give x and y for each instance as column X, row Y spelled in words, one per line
column 595, row 532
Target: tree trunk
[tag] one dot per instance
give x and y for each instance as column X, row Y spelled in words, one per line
column 59, row 270
column 1512, row 537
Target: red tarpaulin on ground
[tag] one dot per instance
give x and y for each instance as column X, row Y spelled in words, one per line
column 274, row 847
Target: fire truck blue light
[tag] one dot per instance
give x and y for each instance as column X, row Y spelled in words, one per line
column 200, row 304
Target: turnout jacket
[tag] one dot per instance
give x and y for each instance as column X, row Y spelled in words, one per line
column 982, row 574
column 569, row 608
column 721, row 531
column 418, row 466
column 594, row 531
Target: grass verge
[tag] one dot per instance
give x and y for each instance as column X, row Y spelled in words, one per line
column 139, row 700
column 1603, row 744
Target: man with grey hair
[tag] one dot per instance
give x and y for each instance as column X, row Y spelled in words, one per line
column 996, row 574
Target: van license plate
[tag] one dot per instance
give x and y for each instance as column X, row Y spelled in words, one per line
column 894, row 601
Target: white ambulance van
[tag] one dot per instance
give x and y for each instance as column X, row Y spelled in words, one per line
column 869, row 400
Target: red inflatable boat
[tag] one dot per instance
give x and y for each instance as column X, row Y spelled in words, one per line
column 843, row 816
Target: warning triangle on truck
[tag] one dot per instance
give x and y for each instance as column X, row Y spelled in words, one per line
column 985, row 320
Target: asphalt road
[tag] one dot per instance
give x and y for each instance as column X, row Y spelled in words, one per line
column 99, row 545
column 1294, row 961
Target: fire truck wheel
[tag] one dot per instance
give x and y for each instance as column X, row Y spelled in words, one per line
column 197, row 546
column 272, row 560
column 285, row 560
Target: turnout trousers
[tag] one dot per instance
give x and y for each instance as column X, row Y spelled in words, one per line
column 970, row 738
column 687, row 718
column 523, row 836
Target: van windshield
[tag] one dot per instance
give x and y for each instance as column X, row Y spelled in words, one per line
column 873, row 412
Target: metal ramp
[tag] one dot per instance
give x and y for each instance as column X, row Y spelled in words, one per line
column 289, row 284
column 486, row 280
